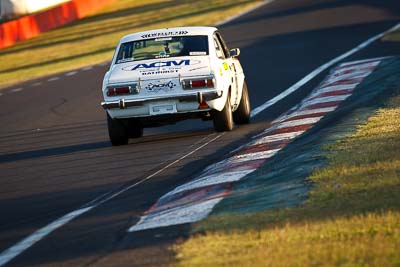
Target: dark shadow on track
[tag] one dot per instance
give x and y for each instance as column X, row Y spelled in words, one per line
column 57, row 151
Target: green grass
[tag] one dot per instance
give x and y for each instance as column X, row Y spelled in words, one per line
column 392, row 37
column 351, row 218
column 93, row 39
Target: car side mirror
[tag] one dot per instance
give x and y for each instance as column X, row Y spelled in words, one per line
column 235, row 52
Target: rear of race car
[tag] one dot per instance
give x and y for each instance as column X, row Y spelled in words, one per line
column 163, row 78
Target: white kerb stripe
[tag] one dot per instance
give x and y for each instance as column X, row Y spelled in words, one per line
column 305, row 112
column 355, row 68
column 24, row 244
column 326, row 99
column 294, row 123
column 275, row 137
column 333, row 88
column 179, row 215
column 253, row 156
column 213, row 179
column 350, row 76
column 370, row 60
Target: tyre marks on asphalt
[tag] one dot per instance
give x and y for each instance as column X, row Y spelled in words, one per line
column 194, row 200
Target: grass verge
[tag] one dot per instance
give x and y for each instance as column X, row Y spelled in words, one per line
column 352, row 216
column 92, row 40
column 392, row 37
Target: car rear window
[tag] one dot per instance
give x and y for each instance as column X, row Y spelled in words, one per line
column 177, row 46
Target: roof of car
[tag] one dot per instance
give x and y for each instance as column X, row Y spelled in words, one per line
column 168, row 32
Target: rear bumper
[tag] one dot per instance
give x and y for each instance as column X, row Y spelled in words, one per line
column 194, row 97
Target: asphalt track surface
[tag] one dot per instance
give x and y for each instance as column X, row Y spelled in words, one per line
column 55, row 155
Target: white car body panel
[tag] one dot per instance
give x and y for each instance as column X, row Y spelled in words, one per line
column 160, row 80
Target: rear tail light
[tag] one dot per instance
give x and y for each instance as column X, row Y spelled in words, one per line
column 195, row 83
column 122, row 90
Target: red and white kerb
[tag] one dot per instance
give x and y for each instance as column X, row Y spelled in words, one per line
column 194, row 200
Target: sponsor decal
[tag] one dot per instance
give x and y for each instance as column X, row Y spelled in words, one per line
column 161, row 67
column 146, row 73
column 184, row 62
column 198, row 53
column 162, row 64
column 156, row 87
column 164, row 34
column 225, row 65
column 163, row 39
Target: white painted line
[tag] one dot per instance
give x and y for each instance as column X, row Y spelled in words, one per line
column 29, row 241
column 37, row 84
column 71, row 73
column 104, row 64
column 87, row 68
column 213, row 179
column 318, row 70
column 179, row 215
column 53, row 79
column 162, row 169
column 16, row 90
column 1, row 94
column 24, row 244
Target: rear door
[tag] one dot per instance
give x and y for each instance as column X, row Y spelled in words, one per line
column 232, row 66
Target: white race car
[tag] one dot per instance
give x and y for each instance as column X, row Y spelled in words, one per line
column 162, row 76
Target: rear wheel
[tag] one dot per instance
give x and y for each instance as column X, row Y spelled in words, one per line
column 242, row 114
column 117, row 131
column 223, row 120
column 135, row 129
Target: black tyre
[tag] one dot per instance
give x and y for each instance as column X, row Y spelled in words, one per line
column 242, row 114
column 223, row 120
column 135, row 129
column 117, row 131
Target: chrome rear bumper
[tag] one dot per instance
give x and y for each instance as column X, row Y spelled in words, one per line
column 199, row 97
